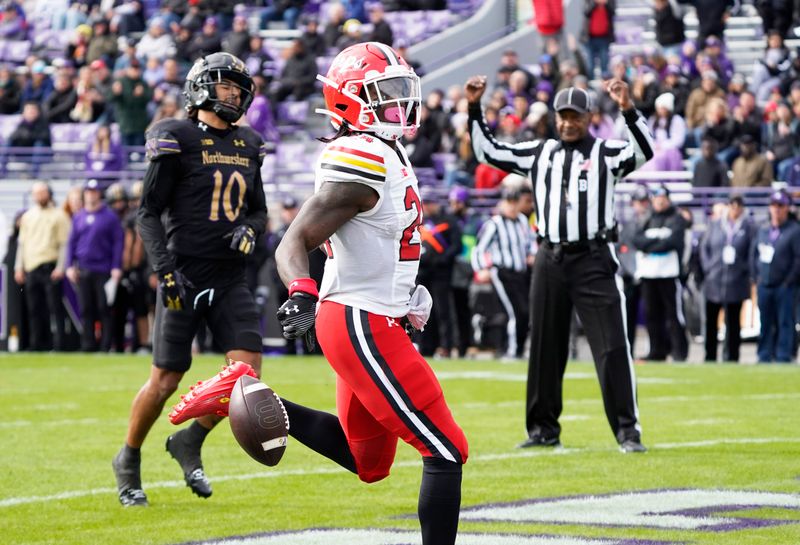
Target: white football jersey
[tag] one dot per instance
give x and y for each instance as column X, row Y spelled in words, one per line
column 373, row 258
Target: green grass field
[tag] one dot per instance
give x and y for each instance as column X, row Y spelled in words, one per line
column 725, row 431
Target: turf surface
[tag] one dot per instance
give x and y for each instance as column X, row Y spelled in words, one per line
column 708, row 427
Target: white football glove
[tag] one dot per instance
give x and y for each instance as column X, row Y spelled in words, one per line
column 420, row 307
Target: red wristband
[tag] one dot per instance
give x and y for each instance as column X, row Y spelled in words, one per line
column 306, row 285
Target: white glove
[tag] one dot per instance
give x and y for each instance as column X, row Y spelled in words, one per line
column 420, row 307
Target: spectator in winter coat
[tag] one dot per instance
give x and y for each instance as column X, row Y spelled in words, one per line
column 711, row 17
column 775, row 267
column 598, row 33
column 710, row 171
column 381, row 31
column 670, row 30
column 669, row 135
column 237, row 41
column 59, row 104
column 130, row 95
column 724, row 258
column 298, row 76
column 659, row 246
column 751, row 169
column 33, row 130
column 699, row 99
column 10, row 91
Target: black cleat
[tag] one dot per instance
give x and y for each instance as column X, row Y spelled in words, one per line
column 129, row 481
column 632, row 445
column 540, row 441
column 133, row 497
column 188, row 456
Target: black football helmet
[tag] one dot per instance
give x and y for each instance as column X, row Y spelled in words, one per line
column 206, row 73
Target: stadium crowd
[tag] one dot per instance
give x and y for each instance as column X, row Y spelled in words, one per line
column 123, row 68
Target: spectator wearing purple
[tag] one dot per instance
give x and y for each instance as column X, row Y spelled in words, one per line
column 39, row 85
column 598, row 33
column 12, row 22
column 669, row 135
column 600, row 125
column 720, row 62
column 104, row 155
column 259, row 115
column 94, row 255
column 687, row 60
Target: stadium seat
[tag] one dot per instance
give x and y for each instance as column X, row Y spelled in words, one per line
column 7, row 125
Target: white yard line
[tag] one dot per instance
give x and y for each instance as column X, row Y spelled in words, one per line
column 11, row 502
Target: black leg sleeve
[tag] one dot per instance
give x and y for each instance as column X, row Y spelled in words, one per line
column 439, row 501
column 321, row 432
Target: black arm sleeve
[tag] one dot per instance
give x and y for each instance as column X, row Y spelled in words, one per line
column 256, row 217
column 159, row 181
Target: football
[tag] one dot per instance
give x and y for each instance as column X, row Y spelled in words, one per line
column 258, row 420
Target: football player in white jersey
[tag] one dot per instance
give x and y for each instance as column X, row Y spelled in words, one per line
column 365, row 213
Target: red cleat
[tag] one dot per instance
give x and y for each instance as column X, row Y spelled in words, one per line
column 210, row 396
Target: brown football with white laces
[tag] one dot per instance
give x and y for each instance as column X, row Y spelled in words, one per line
column 258, row 420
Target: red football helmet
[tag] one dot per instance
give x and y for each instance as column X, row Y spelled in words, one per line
column 371, row 88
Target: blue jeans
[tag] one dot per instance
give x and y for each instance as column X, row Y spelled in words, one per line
column 597, row 50
column 776, row 305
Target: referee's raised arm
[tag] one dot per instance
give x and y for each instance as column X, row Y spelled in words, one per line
column 623, row 158
column 518, row 158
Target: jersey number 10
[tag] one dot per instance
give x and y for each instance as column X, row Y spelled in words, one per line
column 222, row 191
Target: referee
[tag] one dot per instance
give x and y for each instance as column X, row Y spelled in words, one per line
column 573, row 182
column 501, row 256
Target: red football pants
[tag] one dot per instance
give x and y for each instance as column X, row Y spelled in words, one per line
column 384, row 390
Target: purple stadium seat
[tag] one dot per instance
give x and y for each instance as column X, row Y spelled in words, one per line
column 291, row 156
column 71, row 136
column 293, row 113
column 16, row 50
column 7, row 125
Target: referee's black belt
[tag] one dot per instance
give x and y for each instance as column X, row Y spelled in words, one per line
column 574, row 247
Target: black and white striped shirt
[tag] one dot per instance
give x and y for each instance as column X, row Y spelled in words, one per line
column 504, row 243
column 575, row 207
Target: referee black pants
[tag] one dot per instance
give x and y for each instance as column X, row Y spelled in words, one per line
column 586, row 280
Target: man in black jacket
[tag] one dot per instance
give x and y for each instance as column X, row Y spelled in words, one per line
column 381, row 31
column 659, row 243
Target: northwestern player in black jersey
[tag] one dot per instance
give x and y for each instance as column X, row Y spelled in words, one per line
column 204, row 172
